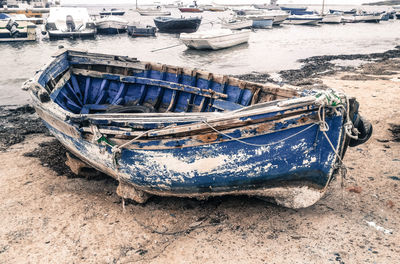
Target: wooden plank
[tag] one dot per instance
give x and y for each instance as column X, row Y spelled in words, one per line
column 58, row 87
column 153, row 82
column 85, row 60
column 58, row 124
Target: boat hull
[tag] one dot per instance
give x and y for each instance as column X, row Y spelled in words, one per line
column 178, row 25
column 237, row 25
column 262, row 23
column 112, row 13
column 153, row 13
column 190, row 10
column 141, row 31
column 332, row 19
column 111, row 27
column 216, row 43
column 311, row 22
column 27, row 32
column 56, row 34
column 196, row 147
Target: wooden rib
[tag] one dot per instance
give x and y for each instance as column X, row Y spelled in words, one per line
column 161, row 90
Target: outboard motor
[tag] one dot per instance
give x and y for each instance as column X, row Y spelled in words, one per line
column 70, row 23
column 12, row 27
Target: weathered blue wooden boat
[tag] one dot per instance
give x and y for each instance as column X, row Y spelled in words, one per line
column 172, row 131
column 177, row 25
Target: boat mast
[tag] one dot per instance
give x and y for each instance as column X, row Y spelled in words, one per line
column 323, row 6
column 136, row 4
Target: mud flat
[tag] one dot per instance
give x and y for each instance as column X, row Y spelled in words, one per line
column 48, row 215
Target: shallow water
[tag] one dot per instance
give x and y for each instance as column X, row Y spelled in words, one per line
column 269, row 50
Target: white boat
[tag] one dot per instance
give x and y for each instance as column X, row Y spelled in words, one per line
column 112, row 12
column 248, row 12
column 111, row 25
column 348, row 18
column 153, row 12
column 236, row 24
column 374, row 18
column 11, row 31
column 70, row 22
column 332, row 18
column 215, row 39
column 277, row 16
column 303, row 19
column 22, row 17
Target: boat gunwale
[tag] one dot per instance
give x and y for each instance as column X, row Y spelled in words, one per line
column 253, row 109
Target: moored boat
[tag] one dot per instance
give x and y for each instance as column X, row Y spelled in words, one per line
column 345, row 12
column 171, row 131
column 261, row 21
column 303, row 20
column 335, row 18
column 237, row 24
column 111, row 25
column 194, row 8
column 190, row 9
column 13, row 31
column 248, row 12
column 177, row 25
column 22, row 17
column 215, row 39
column 112, row 12
column 138, row 30
column 212, row 8
column 368, row 17
column 153, row 12
column 267, row 6
column 293, row 10
column 276, row 15
column 70, row 22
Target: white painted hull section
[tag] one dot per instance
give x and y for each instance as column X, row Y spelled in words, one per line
column 332, row 19
column 302, row 22
column 241, row 24
column 111, row 25
column 196, row 41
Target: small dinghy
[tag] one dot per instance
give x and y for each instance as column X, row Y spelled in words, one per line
column 139, row 30
column 215, row 39
column 70, row 22
column 111, row 25
column 177, row 25
column 172, row 131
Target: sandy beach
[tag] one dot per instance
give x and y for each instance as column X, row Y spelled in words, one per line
column 48, row 215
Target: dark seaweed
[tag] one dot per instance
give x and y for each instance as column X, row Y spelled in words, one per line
column 16, row 122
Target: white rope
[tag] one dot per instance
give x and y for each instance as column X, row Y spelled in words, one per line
column 258, row 145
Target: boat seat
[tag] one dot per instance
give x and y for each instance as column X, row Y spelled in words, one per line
column 226, row 105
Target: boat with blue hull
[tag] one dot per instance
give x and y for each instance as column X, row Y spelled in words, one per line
column 172, row 131
column 177, row 25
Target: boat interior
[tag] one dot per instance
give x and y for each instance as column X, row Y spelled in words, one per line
column 87, row 88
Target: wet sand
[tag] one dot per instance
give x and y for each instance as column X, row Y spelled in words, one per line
column 49, row 215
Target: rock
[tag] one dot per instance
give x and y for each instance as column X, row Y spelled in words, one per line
column 354, row 189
